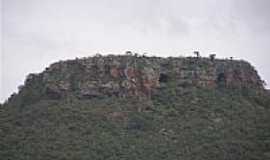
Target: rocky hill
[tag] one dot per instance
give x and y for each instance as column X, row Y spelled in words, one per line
column 138, row 107
column 133, row 76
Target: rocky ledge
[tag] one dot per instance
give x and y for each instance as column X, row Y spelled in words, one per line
column 137, row 76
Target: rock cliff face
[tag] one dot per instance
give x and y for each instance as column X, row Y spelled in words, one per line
column 125, row 76
column 137, row 107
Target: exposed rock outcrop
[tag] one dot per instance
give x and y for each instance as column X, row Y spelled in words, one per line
column 125, row 76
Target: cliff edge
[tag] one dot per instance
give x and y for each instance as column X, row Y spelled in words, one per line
column 137, row 76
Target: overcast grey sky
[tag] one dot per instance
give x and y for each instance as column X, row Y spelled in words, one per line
column 36, row 33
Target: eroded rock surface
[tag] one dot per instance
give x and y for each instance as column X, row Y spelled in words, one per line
column 125, row 76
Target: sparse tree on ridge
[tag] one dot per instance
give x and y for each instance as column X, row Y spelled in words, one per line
column 212, row 57
column 197, row 53
column 129, row 53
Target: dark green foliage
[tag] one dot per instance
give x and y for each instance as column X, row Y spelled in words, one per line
column 188, row 124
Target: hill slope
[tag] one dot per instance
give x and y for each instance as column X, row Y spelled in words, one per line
column 129, row 107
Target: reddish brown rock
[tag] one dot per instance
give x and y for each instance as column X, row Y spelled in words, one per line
column 130, row 76
column 114, row 72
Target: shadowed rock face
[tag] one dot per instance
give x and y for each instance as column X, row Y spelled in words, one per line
column 125, row 76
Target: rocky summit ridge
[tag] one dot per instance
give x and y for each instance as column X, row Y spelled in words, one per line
column 137, row 76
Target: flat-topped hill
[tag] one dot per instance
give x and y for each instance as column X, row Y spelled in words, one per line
column 134, row 107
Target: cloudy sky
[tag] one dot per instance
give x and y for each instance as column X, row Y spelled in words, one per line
column 35, row 33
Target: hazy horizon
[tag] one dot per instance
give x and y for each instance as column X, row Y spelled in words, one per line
column 36, row 33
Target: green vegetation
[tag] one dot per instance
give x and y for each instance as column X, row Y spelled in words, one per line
column 185, row 124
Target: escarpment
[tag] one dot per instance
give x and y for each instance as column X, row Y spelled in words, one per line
column 141, row 77
column 136, row 107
